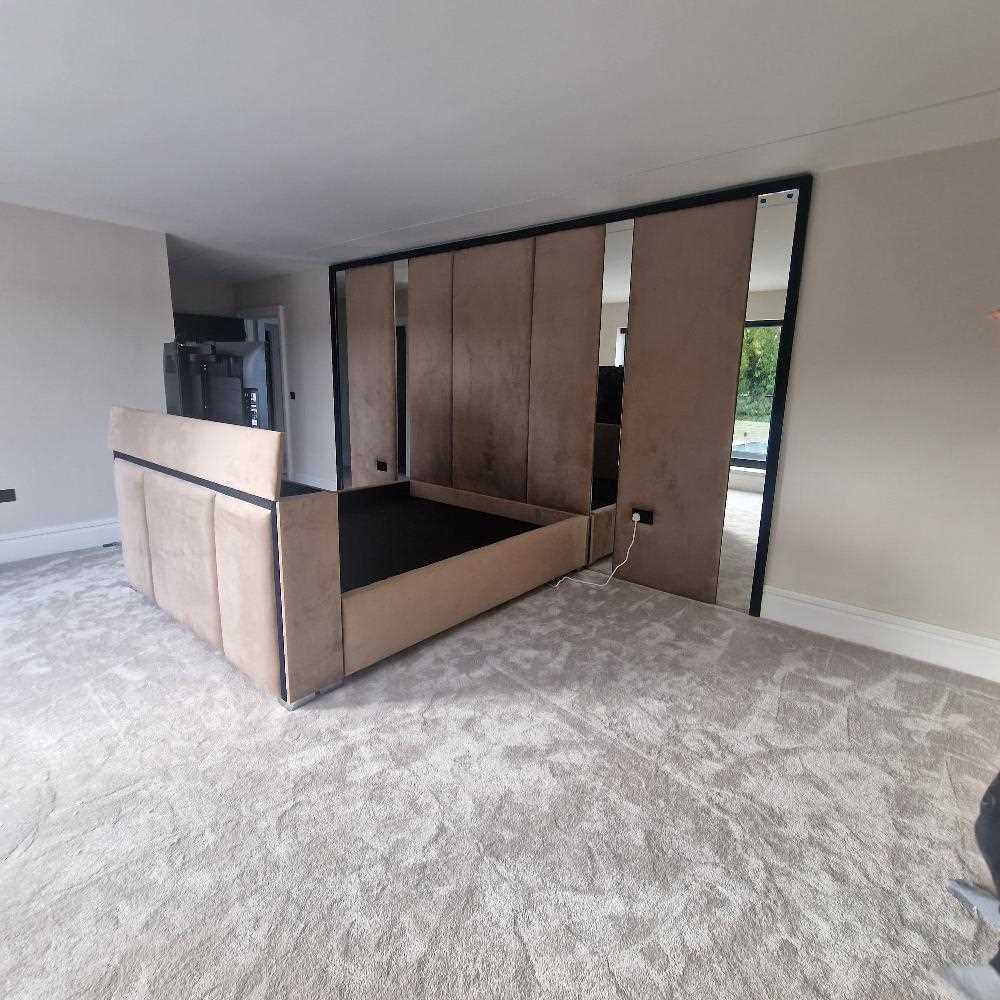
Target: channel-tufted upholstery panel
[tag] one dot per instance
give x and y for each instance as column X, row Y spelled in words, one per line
column 131, row 495
column 244, row 558
column 180, row 519
column 210, row 558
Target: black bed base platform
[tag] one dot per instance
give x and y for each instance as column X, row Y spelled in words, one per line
column 384, row 532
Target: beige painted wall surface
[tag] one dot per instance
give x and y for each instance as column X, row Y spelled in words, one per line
column 306, row 298
column 768, row 304
column 86, row 308
column 889, row 493
column 209, row 298
column 614, row 315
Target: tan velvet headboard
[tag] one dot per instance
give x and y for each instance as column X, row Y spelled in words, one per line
column 239, row 458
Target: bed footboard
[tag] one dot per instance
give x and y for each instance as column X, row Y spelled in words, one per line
column 386, row 617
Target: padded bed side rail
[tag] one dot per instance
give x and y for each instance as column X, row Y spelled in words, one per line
column 390, row 615
column 516, row 509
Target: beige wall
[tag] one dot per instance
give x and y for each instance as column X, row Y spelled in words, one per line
column 889, row 491
column 614, row 315
column 769, row 304
column 208, row 298
column 306, row 298
column 86, row 308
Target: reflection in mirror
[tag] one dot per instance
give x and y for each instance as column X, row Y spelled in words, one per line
column 610, row 380
column 400, row 284
column 772, row 253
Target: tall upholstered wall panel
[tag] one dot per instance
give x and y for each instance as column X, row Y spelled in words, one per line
column 429, row 367
column 565, row 338
column 371, row 360
column 491, row 362
column 690, row 278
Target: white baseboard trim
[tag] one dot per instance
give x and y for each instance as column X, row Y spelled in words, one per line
column 318, row 481
column 945, row 647
column 18, row 545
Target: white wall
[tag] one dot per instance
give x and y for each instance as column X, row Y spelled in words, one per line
column 889, row 489
column 768, row 304
column 614, row 315
column 207, row 298
column 306, row 298
column 86, row 308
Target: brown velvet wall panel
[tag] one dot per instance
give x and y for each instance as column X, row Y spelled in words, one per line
column 565, row 337
column 371, row 367
column 309, row 550
column 492, row 348
column 690, row 276
column 428, row 369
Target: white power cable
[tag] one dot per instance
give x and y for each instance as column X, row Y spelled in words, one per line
column 628, row 552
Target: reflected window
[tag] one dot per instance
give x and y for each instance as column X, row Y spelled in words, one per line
column 755, row 393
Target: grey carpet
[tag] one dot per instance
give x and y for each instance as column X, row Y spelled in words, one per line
column 739, row 548
column 583, row 794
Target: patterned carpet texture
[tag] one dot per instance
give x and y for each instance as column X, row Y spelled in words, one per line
column 584, row 794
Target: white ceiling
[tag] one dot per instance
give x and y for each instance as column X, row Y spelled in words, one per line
column 271, row 136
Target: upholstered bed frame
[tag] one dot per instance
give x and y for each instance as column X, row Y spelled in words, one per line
column 209, row 534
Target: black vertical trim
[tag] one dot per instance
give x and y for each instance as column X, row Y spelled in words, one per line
column 401, row 369
column 278, row 613
column 451, row 406
column 531, row 345
column 804, row 186
column 338, row 403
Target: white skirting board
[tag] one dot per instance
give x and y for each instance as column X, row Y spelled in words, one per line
column 969, row 654
column 18, row 545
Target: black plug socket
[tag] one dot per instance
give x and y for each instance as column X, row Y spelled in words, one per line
column 645, row 516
